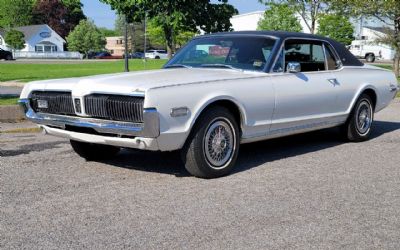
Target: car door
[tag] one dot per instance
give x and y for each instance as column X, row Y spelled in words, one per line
column 307, row 99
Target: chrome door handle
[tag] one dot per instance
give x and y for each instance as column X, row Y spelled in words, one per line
column 334, row 81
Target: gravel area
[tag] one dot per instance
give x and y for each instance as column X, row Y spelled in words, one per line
column 309, row 191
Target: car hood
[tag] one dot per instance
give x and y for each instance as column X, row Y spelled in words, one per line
column 140, row 81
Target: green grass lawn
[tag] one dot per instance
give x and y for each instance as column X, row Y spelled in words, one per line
column 31, row 72
column 8, row 100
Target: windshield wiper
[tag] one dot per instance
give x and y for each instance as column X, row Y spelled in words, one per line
column 177, row 66
column 218, row 65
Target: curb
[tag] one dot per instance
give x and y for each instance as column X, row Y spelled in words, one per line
column 12, row 84
column 11, row 113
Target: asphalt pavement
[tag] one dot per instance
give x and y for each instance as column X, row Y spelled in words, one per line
column 310, row 191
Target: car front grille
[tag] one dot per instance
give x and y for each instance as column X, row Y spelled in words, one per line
column 115, row 107
column 52, row 102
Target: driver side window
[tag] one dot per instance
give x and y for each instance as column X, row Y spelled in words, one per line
column 310, row 55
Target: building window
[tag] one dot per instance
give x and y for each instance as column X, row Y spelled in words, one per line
column 47, row 47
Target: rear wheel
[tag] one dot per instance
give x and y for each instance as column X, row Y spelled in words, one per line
column 157, row 57
column 358, row 126
column 91, row 151
column 213, row 146
column 370, row 58
column 9, row 57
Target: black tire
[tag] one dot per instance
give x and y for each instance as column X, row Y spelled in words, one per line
column 91, row 151
column 354, row 129
column 9, row 57
column 370, row 58
column 200, row 161
column 157, row 57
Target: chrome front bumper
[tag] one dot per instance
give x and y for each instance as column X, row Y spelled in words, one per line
column 150, row 128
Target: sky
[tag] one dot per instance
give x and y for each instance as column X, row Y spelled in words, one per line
column 103, row 16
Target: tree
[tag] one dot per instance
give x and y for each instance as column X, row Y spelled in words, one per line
column 337, row 27
column 180, row 15
column 74, row 13
column 108, row 32
column 388, row 11
column 156, row 36
column 135, row 33
column 309, row 10
column 15, row 39
column 286, row 16
column 61, row 16
column 86, row 37
column 14, row 13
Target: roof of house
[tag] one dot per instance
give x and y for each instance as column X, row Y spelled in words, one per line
column 29, row 31
column 378, row 29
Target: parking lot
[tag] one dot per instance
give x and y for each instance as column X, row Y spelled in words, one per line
column 305, row 191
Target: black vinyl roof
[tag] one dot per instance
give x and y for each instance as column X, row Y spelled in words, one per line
column 346, row 57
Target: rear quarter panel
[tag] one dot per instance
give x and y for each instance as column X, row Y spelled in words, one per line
column 355, row 80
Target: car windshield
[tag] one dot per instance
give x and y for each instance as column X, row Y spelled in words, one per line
column 246, row 53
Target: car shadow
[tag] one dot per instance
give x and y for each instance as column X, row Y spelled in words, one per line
column 250, row 156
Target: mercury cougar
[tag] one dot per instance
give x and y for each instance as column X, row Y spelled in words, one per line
column 218, row 92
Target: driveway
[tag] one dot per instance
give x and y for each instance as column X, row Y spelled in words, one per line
column 299, row 192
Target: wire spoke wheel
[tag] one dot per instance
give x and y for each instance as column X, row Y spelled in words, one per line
column 219, row 143
column 364, row 117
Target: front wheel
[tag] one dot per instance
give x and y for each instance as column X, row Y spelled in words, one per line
column 91, row 151
column 213, row 146
column 9, row 57
column 359, row 123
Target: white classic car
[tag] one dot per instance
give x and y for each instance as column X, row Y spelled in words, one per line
column 219, row 91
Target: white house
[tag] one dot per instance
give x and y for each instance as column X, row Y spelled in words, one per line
column 38, row 38
column 41, row 41
column 249, row 21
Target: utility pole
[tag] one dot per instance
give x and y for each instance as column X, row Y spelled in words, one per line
column 126, row 45
column 145, row 38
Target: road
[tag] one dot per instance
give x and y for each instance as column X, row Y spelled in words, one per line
column 299, row 192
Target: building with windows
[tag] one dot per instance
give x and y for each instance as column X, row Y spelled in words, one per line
column 115, row 45
column 38, row 38
column 41, row 41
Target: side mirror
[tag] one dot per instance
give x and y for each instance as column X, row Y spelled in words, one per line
column 293, row 67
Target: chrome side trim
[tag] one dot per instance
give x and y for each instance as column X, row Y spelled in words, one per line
column 149, row 129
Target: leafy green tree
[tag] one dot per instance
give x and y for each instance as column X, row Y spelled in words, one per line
column 61, row 15
column 309, row 10
column 178, row 15
column 74, row 13
column 14, row 13
column 337, row 27
column 108, row 32
column 388, row 11
column 135, row 33
column 156, row 36
column 86, row 37
column 15, row 39
column 286, row 16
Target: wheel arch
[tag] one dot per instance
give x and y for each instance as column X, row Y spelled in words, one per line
column 230, row 103
column 369, row 90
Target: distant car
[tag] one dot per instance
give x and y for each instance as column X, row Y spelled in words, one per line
column 4, row 54
column 364, row 49
column 93, row 54
column 137, row 55
column 107, row 55
column 157, row 54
